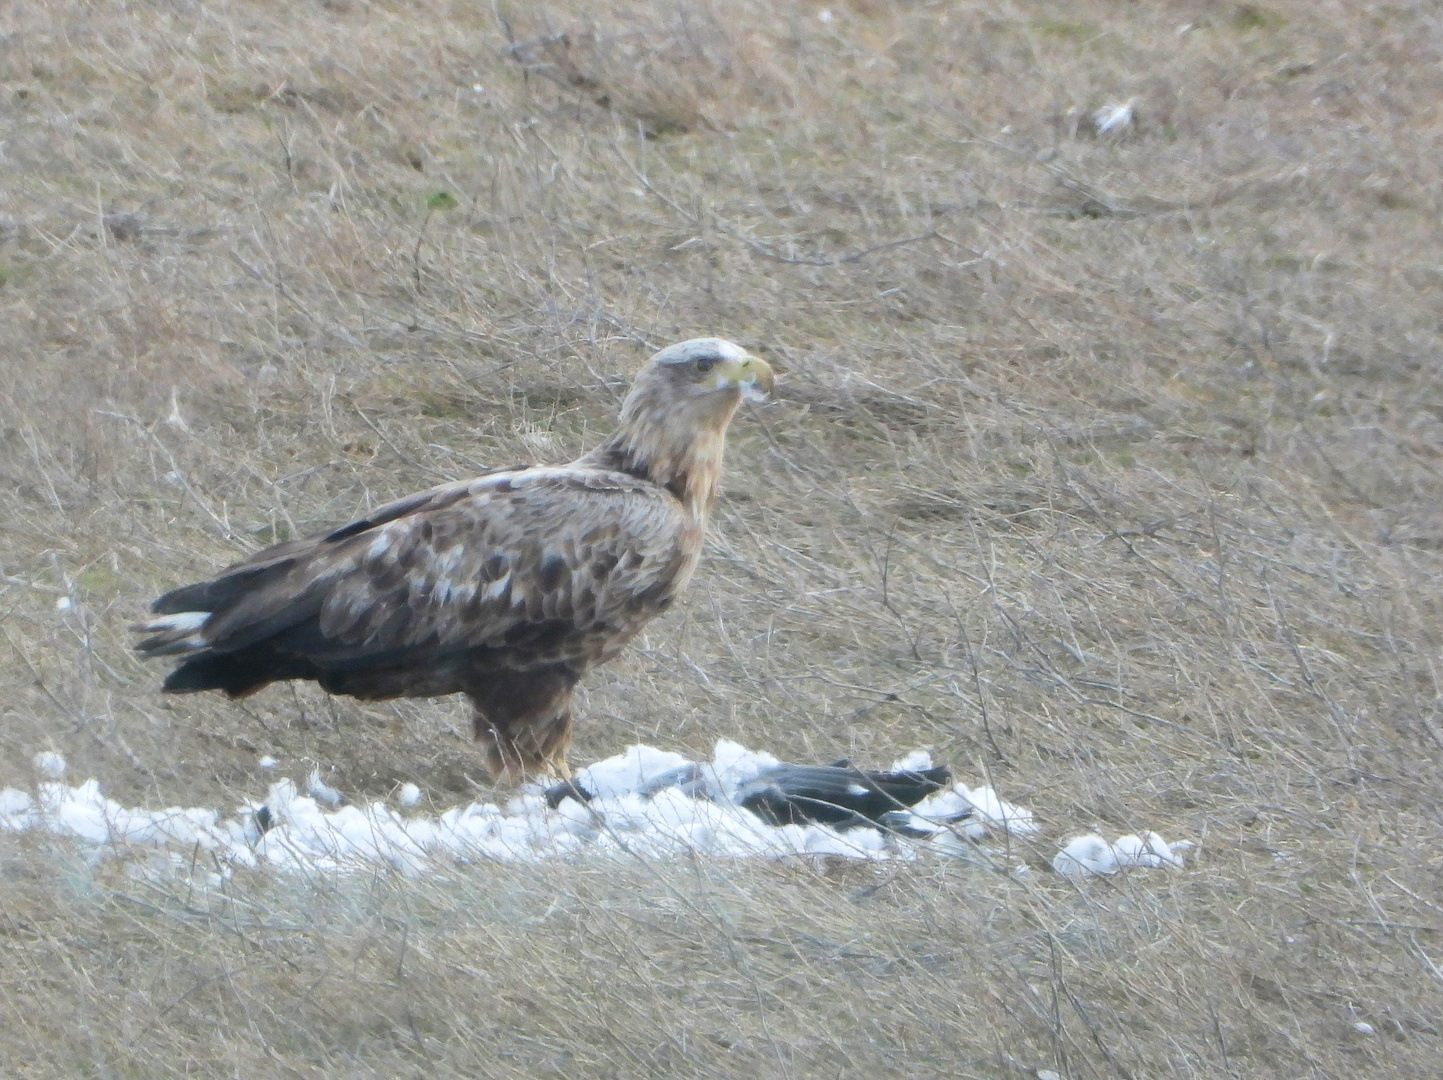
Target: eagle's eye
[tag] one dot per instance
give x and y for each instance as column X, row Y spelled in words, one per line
column 705, row 363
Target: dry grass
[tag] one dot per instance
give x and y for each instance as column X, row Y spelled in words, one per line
column 1109, row 467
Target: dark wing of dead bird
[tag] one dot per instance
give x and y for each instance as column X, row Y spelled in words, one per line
column 523, row 568
column 836, row 794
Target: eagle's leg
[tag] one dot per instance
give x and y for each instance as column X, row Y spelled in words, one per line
column 523, row 721
column 518, row 750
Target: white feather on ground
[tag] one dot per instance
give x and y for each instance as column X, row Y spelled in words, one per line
column 1113, row 118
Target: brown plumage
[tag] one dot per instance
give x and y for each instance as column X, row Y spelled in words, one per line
column 506, row 588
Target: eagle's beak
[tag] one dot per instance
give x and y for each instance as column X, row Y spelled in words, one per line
column 752, row 375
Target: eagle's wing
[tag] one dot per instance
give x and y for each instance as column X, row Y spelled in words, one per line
column 278, row 560
column 550, row 559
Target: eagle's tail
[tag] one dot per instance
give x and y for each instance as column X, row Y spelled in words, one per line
column 221, row 630
column 172, row 635
column 239, row 673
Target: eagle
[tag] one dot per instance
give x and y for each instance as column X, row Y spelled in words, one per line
column 506, row 588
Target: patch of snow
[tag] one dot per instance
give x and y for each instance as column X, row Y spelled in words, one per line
column 266, row 762
column 733, row 765
column 17, row 811
column 916, row 761
column 1149, row 849
column 1093, row 855
column 320, row 790
column 1082, row 855
column 644, row 801
column 627, row 771
column 1011, row 819
column 989, row 811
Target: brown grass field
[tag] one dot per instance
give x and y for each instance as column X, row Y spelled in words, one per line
column 1108, row 466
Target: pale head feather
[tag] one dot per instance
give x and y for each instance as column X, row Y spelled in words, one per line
column 673, row 422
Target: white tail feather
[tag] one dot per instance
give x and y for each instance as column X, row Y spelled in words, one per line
column 181, row 623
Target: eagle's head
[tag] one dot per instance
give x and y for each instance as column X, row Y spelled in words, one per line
column 674, row 420
column 704, row 378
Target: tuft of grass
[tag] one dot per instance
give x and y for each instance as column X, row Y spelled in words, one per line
column 1255, row 17
column 1065, row 29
